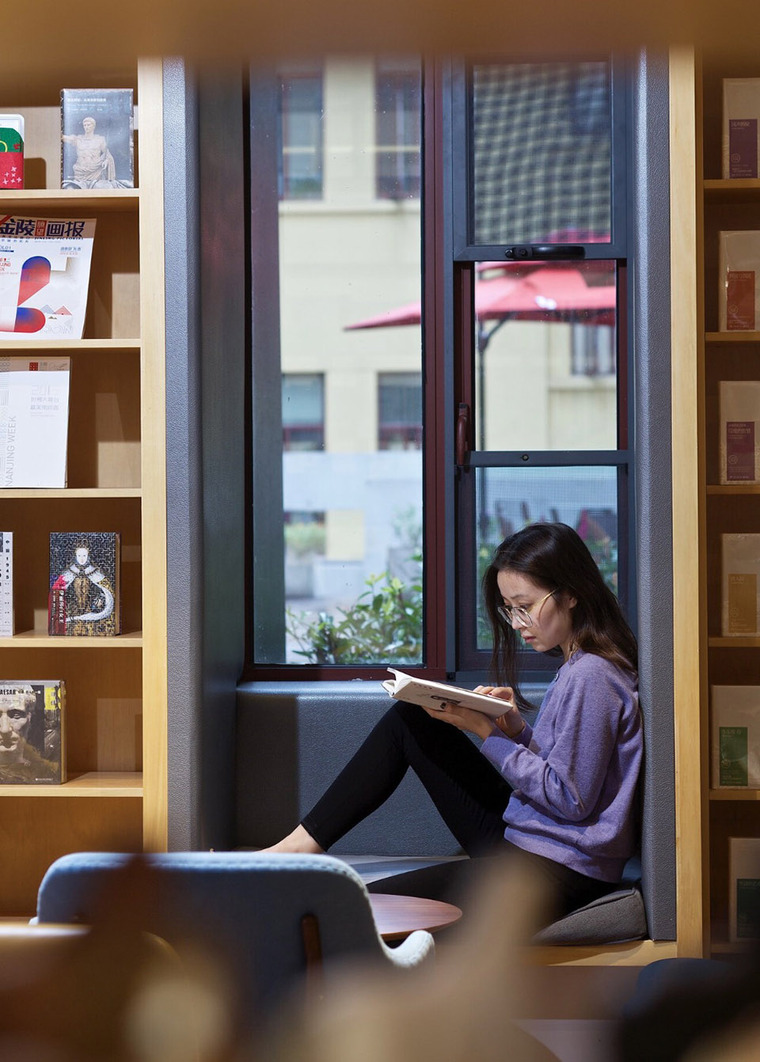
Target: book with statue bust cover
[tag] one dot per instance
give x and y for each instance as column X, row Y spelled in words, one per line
column 97, row 138
column 32, row 731
column 84, row 583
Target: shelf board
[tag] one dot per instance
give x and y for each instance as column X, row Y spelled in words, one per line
column 17, row 201
column 725, row 947
column 45, row 493
column 68, row 345
column 91, row 784
column 733, row 488
column 42, row 640
column 735, row 794
column 732, row 190
column 732, row 337
column 743, row 641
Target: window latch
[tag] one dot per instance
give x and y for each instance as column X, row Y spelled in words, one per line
column 463, row 434
column 527, row 252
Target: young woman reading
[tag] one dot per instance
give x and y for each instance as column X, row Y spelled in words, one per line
column 562, row 791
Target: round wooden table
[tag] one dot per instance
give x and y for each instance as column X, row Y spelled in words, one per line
column 397, row 916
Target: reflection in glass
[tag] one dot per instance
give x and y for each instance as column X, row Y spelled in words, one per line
column 583, row 497
column 541, row 152
column 545, row 343
column 352, row 458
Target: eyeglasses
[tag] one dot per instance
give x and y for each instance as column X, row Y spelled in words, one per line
column 516, row 614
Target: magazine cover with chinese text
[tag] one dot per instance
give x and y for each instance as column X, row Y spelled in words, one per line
column 44, row 276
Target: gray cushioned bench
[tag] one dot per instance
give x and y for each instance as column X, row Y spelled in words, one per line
column 292, row 739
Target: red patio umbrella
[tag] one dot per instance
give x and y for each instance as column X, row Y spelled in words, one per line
column 583, row 292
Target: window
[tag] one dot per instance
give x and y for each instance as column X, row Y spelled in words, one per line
column 332, row 450
column 398, row 133
column 541, row 271
column 451, row 370
column 300, row 133
column 303, row 413
column 399, row 397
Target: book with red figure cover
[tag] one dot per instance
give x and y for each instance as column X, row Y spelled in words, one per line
column 84, row 583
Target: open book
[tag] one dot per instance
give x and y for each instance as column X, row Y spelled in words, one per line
column 434, row 694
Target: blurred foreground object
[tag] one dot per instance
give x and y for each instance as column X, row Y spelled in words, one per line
column 460, row 1009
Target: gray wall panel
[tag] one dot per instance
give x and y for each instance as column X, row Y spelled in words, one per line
column 651, row 336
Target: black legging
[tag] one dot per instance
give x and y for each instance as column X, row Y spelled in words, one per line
column 467, row 790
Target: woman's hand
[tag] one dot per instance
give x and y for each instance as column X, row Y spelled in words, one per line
column 511, row 723
column 462, row 718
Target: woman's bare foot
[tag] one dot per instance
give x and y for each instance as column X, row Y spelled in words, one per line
column 298, row 841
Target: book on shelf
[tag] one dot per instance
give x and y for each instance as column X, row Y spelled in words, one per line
column 32, row 731
column 7, row 627
column 44, row 276
column 434, row 695
column 744, row 889
column 97, row 138
column 740, row 584
column 738, row 280
column 739, row 402
column 11, row 151
column 85, row 586
column 735, row 731
column 741, row 112
column 34, row 421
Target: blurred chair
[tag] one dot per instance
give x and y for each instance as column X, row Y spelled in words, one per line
column 279, row 923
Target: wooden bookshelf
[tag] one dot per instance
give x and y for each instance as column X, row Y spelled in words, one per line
column 116, row 795
column 703, row 204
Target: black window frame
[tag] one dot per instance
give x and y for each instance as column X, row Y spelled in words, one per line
column 450, row 582
column 463, row 595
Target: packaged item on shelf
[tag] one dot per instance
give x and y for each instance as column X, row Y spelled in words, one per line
column 11, row 151
column 34, row 421
column 739, row 280
column 84, row 583
column 32, row 731
column 739, row 431
column 744, row 888
column 97, row 138
column 7, row 627
column 44, row 276
column 741, row 583
column 735, row 726
column 741, row 112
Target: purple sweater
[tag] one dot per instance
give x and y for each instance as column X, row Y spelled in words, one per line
column 574, row 775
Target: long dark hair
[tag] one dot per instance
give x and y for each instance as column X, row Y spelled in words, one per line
column 555, row 557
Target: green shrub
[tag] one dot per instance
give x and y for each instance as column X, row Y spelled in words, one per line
column 384, row 625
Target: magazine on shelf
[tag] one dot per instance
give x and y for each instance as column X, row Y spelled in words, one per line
column 7, row 628
column 97, row 138
column 739, row 280
column 739, row 403
column 744, row 888
column 741, row 584
column 741, row 113
column 11, row 151
column 431, row 694
column 85, row 586
column 32, row 736
column 735, row 725
column 44, row 276
column 34, row 421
